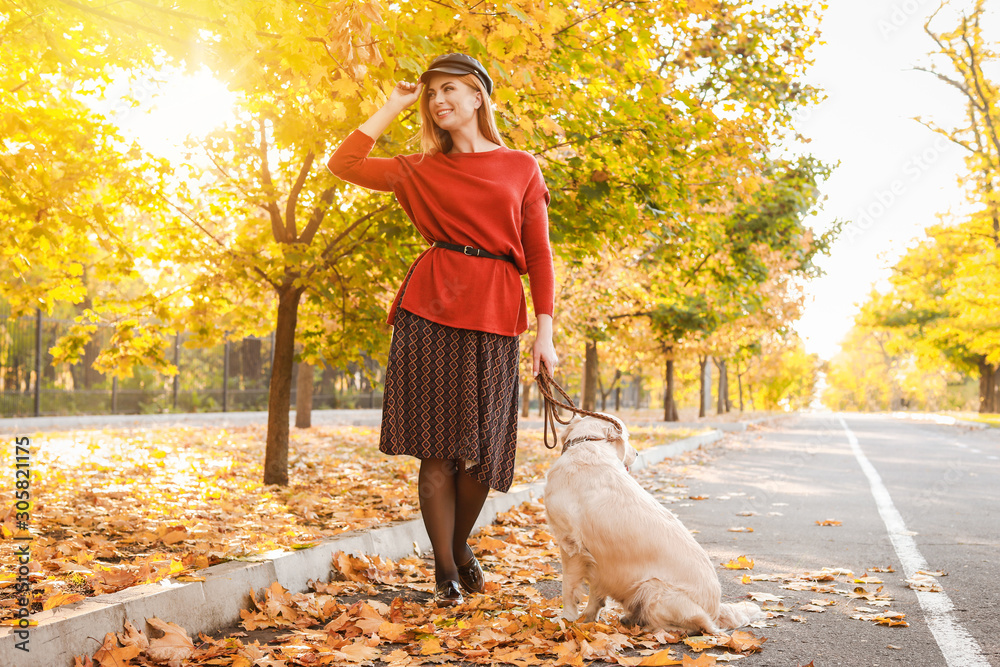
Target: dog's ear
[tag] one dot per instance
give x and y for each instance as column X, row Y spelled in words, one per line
column 614, row 432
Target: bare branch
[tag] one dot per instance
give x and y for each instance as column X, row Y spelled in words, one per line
column 293, row 195
column 332, row 245
column 270, row 205
column 951, row 82
column 218, row 241
column 946, row 134
column 316, row 219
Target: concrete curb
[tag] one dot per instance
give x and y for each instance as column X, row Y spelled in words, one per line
column 213, row 604
column 936, row 418
column 31, row 425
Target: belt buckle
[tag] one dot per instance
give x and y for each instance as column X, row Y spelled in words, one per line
column 466, row 249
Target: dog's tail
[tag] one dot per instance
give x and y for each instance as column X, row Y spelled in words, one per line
column 732, row 616
column 659, row 605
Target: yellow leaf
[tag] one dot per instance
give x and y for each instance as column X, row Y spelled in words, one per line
column 700, row 643
column 488, row 543
column 705, row 660
column 360, row 653
column 60, row 599
column 664, row 657
column 742, row 642
column 430, row 646
column 741, row 563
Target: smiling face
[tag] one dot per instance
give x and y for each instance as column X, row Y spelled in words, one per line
column 452, row 103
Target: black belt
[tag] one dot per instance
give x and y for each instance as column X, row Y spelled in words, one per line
column 473, row 252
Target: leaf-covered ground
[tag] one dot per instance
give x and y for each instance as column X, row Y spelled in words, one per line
column 114, row 509
column 377, row 613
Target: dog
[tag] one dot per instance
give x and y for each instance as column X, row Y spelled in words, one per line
column 615, row 536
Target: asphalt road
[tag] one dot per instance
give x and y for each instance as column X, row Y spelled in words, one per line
column 911, row 495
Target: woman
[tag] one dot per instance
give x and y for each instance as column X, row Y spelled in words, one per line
column 452, row 376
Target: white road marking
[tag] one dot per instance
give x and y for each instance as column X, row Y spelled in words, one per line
column 959, row 648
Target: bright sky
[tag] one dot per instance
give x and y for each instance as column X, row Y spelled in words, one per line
column 169, row 111
column 895, row 175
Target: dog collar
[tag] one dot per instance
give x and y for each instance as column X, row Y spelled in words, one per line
column 575, row 441
column 589, row 438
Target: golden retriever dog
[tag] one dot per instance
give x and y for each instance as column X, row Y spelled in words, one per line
column 616, row 537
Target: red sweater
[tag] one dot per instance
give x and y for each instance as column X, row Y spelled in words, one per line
column 494, row 200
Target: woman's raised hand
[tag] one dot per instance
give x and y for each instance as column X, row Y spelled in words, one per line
column 406, row 93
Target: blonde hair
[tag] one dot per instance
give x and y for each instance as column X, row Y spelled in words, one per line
column 433, row 139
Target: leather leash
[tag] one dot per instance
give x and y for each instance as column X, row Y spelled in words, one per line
column 546, row 385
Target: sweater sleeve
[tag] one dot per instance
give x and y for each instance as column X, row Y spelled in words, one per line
column 351, row 163
column 538, row 256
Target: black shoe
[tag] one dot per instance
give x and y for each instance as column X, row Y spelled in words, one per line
column 471, row 576
column 446, row 594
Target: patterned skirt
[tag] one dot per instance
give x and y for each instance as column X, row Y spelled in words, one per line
column 452, row 394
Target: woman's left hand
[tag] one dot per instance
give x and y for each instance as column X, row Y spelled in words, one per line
column 543, row 351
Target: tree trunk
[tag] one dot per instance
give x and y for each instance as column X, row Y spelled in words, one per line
column 607, row 392
column 590, row 376
column 526, row 398
column 723, row 403
column 989, row 388
column 739, row 383
column 705, row 403
column 304, row 396
column 279, row 394
column 669, row 405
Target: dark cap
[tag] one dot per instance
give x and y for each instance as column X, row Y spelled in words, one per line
column 459, row 63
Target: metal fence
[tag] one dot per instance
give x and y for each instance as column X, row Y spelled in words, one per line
column 230, row 377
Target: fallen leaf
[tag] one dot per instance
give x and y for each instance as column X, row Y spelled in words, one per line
column 823, row 602
column 741, row 563
column 700, row 643
column 759, row 596
column 358, row 652
column 430, row 646
column 112, row 655
column 741, row 529
column 813, row 608
column 697, row 497
column 60, row 599
column 134, row 637
column 173, row 647
column 828, row 522
column 924, row 583
column 704, row 660
column 744, row 642
column 664, row 657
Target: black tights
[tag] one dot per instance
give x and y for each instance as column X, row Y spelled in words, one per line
column 450, row 502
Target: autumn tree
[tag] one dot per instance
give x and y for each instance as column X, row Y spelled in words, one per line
column 638, row 112
column 964, row 59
